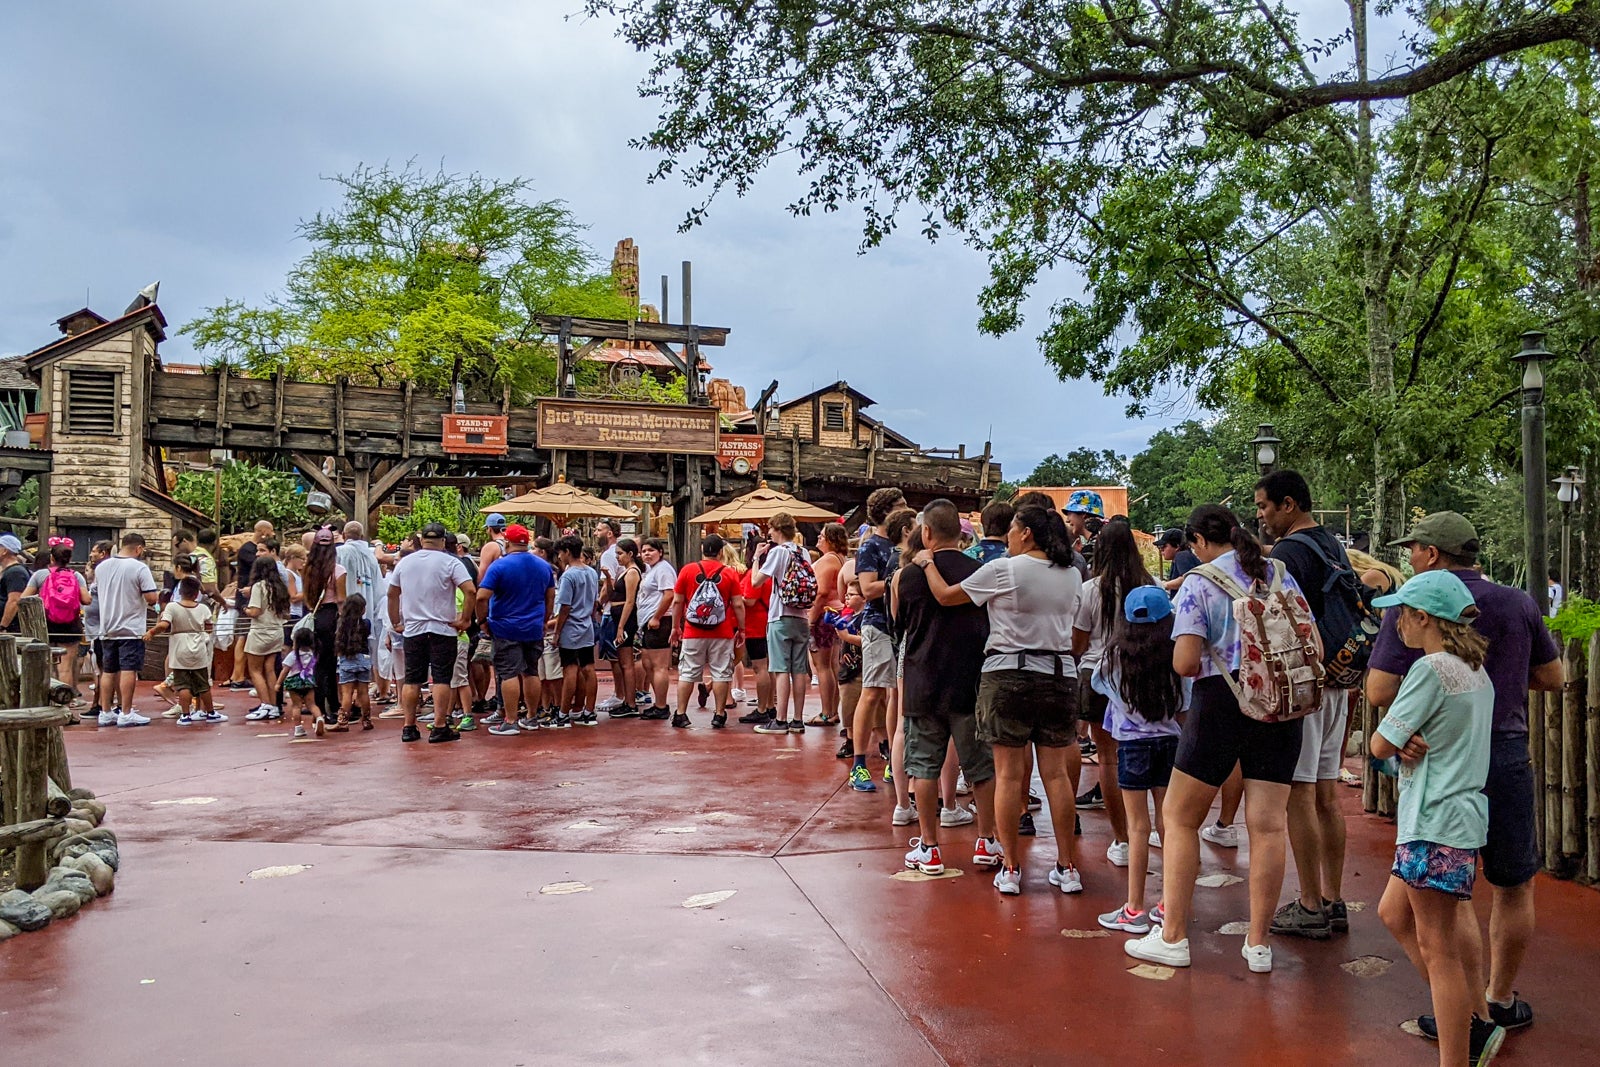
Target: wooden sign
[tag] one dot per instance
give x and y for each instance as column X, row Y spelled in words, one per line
column 583, row 424
column 477, row 434
column 741, row 452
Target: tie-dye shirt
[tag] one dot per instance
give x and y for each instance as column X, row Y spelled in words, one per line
column 1205, row 610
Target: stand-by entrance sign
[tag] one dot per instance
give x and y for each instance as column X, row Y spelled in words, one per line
column 583, row 424
column 476, row 434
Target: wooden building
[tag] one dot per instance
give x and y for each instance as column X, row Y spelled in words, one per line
column 832, row 416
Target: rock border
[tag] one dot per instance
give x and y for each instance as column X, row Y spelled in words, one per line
column 85, row 867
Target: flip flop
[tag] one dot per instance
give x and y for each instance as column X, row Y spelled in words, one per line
column 821, row 720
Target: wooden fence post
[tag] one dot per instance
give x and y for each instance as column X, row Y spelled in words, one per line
column 32, row 766
column 1369, row 775
column 1571, row 749
column 1552, row 780
column 1592, row 763
column 31, row 622
column 1536, row 754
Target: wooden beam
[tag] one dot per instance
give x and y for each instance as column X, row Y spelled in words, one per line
column 361, row 497
column 405, row 425
column 631, row 330
column 385, row 486
column 221, row 431
column 672, row 357
column 277, row 406
column 33, row 718
column 311, row 468
column 33, row 832
column 338, row 417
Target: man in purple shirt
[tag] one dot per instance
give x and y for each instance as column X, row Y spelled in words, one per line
column 1522, row 656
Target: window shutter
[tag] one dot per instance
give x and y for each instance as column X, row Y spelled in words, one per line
column 92, row 402
column 833, row 417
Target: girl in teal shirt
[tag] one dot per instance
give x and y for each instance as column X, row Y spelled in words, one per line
column 1439, row 726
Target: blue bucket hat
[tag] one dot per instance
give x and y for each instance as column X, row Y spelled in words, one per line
column 1086, row 502
column 1439, row 593
column 1146, row 603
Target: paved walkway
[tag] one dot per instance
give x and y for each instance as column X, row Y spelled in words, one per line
column 425, row 927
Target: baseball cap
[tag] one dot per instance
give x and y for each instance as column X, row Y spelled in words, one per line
column 1439, row 593
column 434, row 531
column 324, row 536
column 1146, row 603
column 1448, row 531
column 10, row 543
column 1173, row 538
column 1086, row 502
column 495, row 521
column 517, row 533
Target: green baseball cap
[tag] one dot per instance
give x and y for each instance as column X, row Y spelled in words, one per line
column 1439, row 593
column 1448, row 531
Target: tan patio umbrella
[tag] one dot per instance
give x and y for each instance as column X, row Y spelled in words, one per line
column 761, row 505
column 560, row 501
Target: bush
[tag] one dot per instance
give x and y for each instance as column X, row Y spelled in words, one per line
column 250, row 493
column 442, row 504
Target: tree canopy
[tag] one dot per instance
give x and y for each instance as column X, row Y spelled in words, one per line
column 1081, row 466
column 428, row 277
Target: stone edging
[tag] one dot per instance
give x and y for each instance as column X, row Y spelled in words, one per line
column 86, row 862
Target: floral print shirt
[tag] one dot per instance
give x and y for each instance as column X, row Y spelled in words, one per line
column 1204, row 609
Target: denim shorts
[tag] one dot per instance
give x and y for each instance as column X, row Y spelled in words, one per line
column 1441, row 868
column 354, row 669
column 1145, row 763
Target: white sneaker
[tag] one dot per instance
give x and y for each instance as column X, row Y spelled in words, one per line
column 960, row 816
column 1008, row 880
column 274, row 712
column 962, row 788
column 1117, row 853
column 1152, row 949
column 1155, row 839
column 299, row 731
column 1259, row 957
column 132, row 718
column 253, row 692
column 215, row 716
column 197, row 719
column 1221, row 836
column 924, row 858
column 608, row 703
column 737, row 694
column 174, row 712
column 905, row 816
column 107, row 718
column 1066, row 879
column 261, row 712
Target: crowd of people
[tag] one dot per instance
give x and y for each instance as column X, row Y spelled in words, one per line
column 952, row 662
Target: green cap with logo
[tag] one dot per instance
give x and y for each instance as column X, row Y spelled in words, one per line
column 1439, row 593
column 1448, row 531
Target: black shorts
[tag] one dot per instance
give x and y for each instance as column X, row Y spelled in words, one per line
column 515, row 658
column 1019, row 707
column 655, row 639
column 1511, row 854
column 578, row 657
column 430, row 654
column 755, row 650
column 65, row 633
column 1091, row 705
column 1217, row 735
column 121, row 654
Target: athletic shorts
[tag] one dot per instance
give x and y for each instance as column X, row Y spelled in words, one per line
column 657, row 638
column 787, row 637
column 1145, row 763
column 1217, row 735
column 121, row 654
column 460, row 675
column 608, row 637
column 197, row 682
column 755, row 650
column 1016, row 708
column 1091, row 705
column 1511, row 855
column 430, row 656
column 1441, row 868
column 1322, row 742
column 928, row 740
column 699, row 654
column 515, row 658
column 577, row 657
column 877, row 659
column 66, row 634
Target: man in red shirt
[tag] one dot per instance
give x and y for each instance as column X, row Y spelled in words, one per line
column 708, row 618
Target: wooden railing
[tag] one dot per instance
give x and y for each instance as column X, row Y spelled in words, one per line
column 34, row 777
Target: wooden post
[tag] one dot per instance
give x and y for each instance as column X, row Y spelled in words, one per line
column 277, row 408
column 219, row 437
column 1369, row 776
column 338, row 415
column 405, row 426
column 1592, row 763
column 1536, row 754
column 1571, row 748
column 1552, row 781
column 9, row 697
column 32, row 766
column 31, row 621
column 362, row 495
column 983, row 471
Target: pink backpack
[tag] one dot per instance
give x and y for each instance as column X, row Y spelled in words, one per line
column 62, row 601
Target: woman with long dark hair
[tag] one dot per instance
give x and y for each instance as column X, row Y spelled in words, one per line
column 1216, row 737
column 324, row 592
column 1118, row 569
column 625, row 610
column 1028, row 693
column 268, row 610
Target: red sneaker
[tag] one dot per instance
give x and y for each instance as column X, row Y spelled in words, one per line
column 987, row 852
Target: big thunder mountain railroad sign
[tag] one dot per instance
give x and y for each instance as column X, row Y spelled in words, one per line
column 581, row 424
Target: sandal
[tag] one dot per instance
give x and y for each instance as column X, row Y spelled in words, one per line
column 821, row 720
column 340, row 727
column 366, row 724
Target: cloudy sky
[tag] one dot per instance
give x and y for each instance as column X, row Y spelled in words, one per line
column 183, row 141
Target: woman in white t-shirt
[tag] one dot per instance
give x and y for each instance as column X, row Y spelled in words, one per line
column 1029, row 690
column 1118, row 568
column 654, row 604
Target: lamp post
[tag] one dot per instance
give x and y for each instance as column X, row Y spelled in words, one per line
column 1532, row 355
column 1266, row 442
column 1569, row 489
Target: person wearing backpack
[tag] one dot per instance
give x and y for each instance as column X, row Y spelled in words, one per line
column 65, row 593
column 708, row 620
column 784, row 565
column 1348, row 625
column 1218, row 733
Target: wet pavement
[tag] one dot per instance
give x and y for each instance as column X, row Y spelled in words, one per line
column 523, row 901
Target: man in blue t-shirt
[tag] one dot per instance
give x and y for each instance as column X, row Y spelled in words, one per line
column 1522, row 656
column 516, row 595
column 576, row 593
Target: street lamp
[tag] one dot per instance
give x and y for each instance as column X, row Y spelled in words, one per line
column 1569, row 490
column 1266, row 442
column 1532, row 355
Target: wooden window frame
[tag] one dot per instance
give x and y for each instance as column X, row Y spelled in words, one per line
column 842, row 409
column 66, row 401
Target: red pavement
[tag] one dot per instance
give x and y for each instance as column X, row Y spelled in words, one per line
column 418, row 933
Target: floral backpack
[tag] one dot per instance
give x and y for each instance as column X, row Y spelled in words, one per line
column 1280, row 671
column 798, row 589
